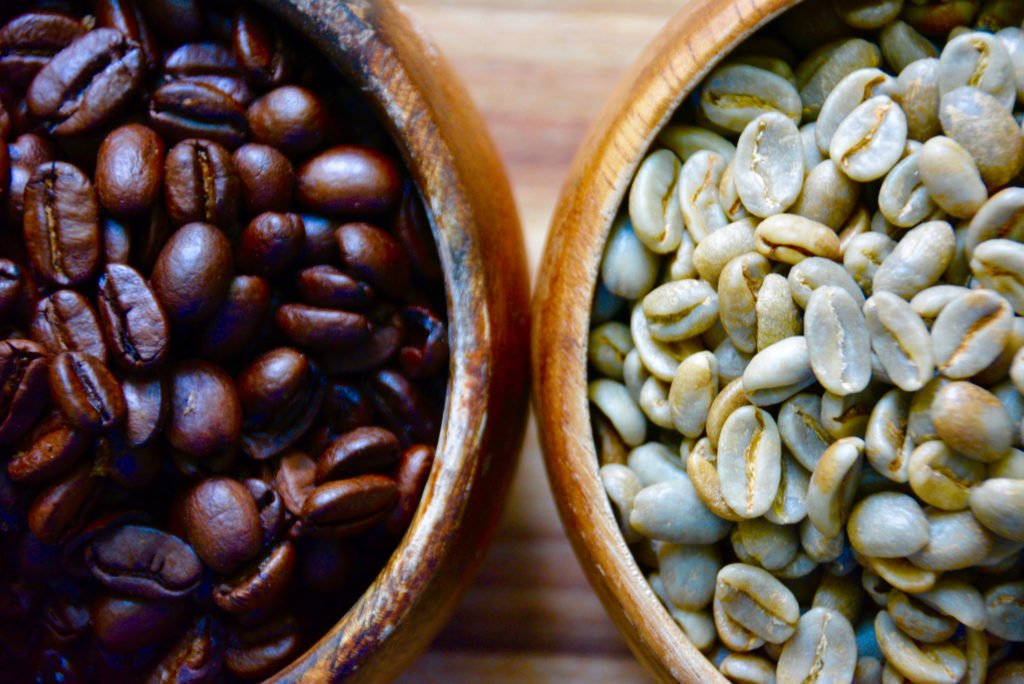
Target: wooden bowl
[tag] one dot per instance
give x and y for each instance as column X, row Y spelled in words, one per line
column 670, row 68
column 455, row 165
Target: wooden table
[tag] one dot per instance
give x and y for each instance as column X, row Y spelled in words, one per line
column 539, row 70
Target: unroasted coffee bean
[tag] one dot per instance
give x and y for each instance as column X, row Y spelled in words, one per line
column 267, row 178
column 86, row 82
column 350, row 180
column 129, row 170
column 291, row 119
column 193, row 273
column 205, row 414
column 142, row 561
column 65, row 321
column 344, row 507
column 62, row 224
column 134, row 322
column 85, row 391
column 222, row 523
column 200, row 183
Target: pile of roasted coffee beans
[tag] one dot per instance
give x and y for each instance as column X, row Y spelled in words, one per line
column 224, row 356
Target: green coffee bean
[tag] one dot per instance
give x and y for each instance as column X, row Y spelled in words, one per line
column 870, row 140
column 768, row 169
column 951, row 177
column 607, row 348
column 749, row 461
column 680, row 309
column 998, row 503
column 833, row 482
column 970, row 332
column 777, row 314
column 837, row 341
column 900, row 339
column 757, row 601
column 941, row 477
column 693, row 389
column 654, row 202
column 778, row 372
column 736, row 94
column 887, row 525
column 987, row 130
column 671, row 511
column 979, row 60
column 628, row 269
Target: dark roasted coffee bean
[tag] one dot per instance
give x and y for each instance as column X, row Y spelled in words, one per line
column 148, row 238
column 363, row 450
column 325, row 286
column 345, row 507
column 321, row 246
column 65, row 618
column 65, row 321
column 145, row 562
column 267, row 178
column 192, row 275
column 129, row 170
column 374, row 256
column 281, row 394
column 26, row 153
column 237, row 321
column 146, row 400
column 413, row 230
column 179, row 21
column 136, row 327
column 5, row 124
column 85, row 391
column 294, row 480
column 200, row 183
column 72, row 555
column 61, row 226
column 411, row 476
column 62, row 508
column 223, row 523
column 271, row 243
column 321, row 330
column 198, row 467
column 5, row 162
column 260, row 585
column 425, row 350
column 290, row 118
column 117, row 241
column 201, row 59
column 325, row 565
column 258, row 652
column 205, row 415
column 196, row 658
column 192, row 108
column 24, row 388
column 404, row 407
column 347, row 407
column 270, row 506
column 348, row 179
column 131, row 467
column 50, row 456
column 126, row 17
column 30, row 40
column 87, row 82
column 123, row 624
column 261, row 53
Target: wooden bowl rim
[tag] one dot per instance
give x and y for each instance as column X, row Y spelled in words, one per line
column 461, row 179
column 670, row 67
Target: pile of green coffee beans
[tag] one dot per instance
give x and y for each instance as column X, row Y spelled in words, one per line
column 807, row 350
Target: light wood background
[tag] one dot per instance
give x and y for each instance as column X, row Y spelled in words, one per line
column 539, row 70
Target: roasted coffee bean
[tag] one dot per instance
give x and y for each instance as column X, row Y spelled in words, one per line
column 270, row 506
column 61, row 509
column 197, row 656
column 196, row 109
column 144, row 562
column 205, row 413
column 295, row 480
column 49, row 456
column 412, row 228
column 133, row 468
column 123, row 624
column 425, row 349
column 86, row 392
column 267, row 178
column 30, row 40
column 293, row 120
column 363, row 450
column 126, row 17
column 26, row 153
column 261, row 53
column 129, row 170
column 321, row 330
column 177, row 20
column 65, row 321
column 326, row 286
column 259, row 586
column 11, row 281
column 345, row 507
column 271, row 243
column 258, row 652
column 272, row 381
column 222, row 523
column 86, row 82
column 192, row 275
column 136, row 327
column 404, row 407
column 235, row 324
column 200, row 183
column 62, row 224
column 374, row 256
column 411, row 477
column 350, row 180
column 117, row 241
column 24, row 393
column 147, row 400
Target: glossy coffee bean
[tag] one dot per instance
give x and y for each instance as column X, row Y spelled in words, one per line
column 258, row 652
column 196, row 109
column 413, row 230
column 222, row 523
column 129, row 170
column 234, row 324
column 326, row 286
column 345, row 507
column 321, row 330
column 201, row 59
column 269, row 505
column 178, row 21
column 144, row 562
column 271, row 243
column 404, row 407
column 295, row 480
column 411, row 476
column 48, row 457
column 273, row 381
column 30, row 40
column 197, row 656
column 124, row 624
column 348, row 179
column 267, row 178
column 373, row 255
column 61, row 508
column 62, row 224
column 200, row 183
column 321, row 247
column 363, row 450
column 147, row 400
column 137, row 330
column 425, row 350
column 86, row 392
column 65, row 321
column 117, row 241
column 205, row 415
column 259, row 51
column 192, row 274
column 260, row 585
column 87, row 82
column 26, row 153
column 290, row 118
column 11, row 280
column 131, row 467
column 126, row 17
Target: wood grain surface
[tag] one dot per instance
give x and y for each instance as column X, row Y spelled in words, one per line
column 539, row 70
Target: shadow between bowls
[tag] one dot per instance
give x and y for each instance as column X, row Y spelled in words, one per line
column 455, row 165
column 671, row 66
